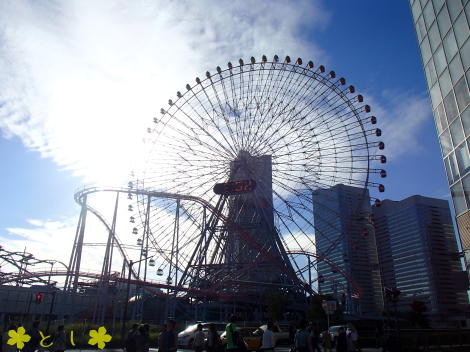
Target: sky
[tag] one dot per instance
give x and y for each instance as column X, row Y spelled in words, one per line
column 80, row 81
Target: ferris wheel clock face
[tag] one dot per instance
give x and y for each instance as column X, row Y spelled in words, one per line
column 280, row 129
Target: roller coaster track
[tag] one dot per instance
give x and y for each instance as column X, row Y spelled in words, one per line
column 80, row 194
column 354, row 284
column 110, row 278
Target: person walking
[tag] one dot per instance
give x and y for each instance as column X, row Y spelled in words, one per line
column 214, row 344
column 341, row 341
column 5, row 337
column 232, row 335
column 314, row 339
column 301, row 339
column 142, row 340
column 352, row 337
column 59, row 344
column 130, row 339
column 268, row 342
column 326, row 341
column 172, row 336
column 198, row 339
column 162, row 347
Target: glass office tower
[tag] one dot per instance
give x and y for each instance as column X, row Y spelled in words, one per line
column 442, row 28
column 418, row 255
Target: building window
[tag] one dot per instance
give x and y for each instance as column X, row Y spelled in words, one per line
column 437, row 5
column 463, row 158
column 450, row 178
column 466, row 189
column 458, row 198
column 462, row 94
column 446, row 143
column 441, row 118
column 466, row 121
column 434, row 37
column 416, row 10
column 455, row 68
column 446, row 85
column 431, row 73
column 425, row 50
column 456, row 132
column 443, row 21
column 465, row 53
column 428, row 13
column 451, row 107
column 461, row 29
column 455, row 6
column 450, row 45
column 440, row 60
column 435, row 95
column 454, row 167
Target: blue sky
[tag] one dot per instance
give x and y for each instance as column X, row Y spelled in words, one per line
column 80, row 81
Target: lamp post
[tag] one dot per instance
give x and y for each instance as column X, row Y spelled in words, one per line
column 131, row 263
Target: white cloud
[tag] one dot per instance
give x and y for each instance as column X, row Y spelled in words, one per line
column 400, row 116
column 82, row 79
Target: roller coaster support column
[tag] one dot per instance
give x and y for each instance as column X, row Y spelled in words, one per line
column 71, row 281
column 106, row 269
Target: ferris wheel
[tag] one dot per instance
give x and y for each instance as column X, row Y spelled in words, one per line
column 268, row 134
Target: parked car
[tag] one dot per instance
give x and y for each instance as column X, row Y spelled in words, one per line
column 185, row 337
column 251, row 336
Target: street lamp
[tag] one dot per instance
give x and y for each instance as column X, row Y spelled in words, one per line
column 131, row 263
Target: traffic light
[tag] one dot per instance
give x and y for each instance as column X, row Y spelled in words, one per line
column 38, row 298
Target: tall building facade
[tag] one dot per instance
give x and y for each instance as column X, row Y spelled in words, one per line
column 442, row 28
column 418, row 255
column 341, row 217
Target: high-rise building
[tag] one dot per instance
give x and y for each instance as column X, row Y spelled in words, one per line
column 253, row 214
column 418, row 255
column 442, row 28
column 342, row 235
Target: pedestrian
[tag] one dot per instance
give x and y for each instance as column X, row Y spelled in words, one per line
column 268, row 342
column 326, row 341
column 352, row 337
column 33, row 343
column 162, row 347
column 291, row 334
column 301, row 339
column 59, row 339
column 131, row 338
column 232, row 335
column 214, row 344
column 5, row 346
column 341, row 341
column 172, row 337
column 314, row 339
column 198, row 339
column 142, row 340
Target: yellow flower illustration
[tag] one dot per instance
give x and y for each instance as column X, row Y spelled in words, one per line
column 18, row 337
column 99, row 337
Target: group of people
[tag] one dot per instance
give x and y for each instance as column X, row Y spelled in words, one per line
column 307, row 339
column 138, row 338
column 57, row 339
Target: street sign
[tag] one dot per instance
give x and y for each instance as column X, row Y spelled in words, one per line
column 235, row 187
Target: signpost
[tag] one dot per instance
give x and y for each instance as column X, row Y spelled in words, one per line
column 235, row 187
column 329, row 307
